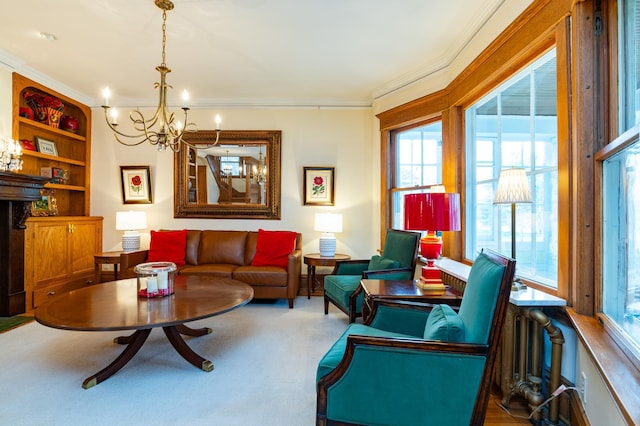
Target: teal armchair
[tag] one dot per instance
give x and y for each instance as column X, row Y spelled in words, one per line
column 396, row 262
column 415, row 364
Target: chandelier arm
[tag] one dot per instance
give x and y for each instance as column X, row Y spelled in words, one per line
column 152, row 137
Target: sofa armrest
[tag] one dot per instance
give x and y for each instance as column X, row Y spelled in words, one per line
column 294, row 269
column 129, row 260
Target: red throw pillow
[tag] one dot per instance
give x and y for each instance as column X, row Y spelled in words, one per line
column 168, row 246
column 273, row 248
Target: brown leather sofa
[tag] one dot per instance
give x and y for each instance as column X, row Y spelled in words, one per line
column 229, row 254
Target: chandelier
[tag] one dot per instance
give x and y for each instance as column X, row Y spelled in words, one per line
column 10, row 155
column 259, row 174
column 162, row 130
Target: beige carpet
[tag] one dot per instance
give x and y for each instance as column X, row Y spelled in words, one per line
column 265, row 357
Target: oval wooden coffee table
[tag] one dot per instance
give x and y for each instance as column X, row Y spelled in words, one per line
column 116, row 306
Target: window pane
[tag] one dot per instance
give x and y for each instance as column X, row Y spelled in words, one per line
column 621, row 239
column 418, row 163
column 516, row 126
column 629, row 90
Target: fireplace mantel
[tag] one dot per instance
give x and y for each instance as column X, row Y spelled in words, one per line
column 17, row 191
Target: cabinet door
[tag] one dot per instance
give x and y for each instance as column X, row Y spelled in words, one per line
column 83, row 245
column 50, row 245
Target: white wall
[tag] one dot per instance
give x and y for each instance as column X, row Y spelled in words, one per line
column 346, row 139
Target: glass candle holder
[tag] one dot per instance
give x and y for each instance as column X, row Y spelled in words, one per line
column 155, row 279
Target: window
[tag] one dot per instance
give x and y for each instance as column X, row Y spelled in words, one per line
column 516, row 126
column 418, row 164
column 620, row 194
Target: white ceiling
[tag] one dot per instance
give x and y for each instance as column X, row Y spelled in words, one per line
column 240, row 52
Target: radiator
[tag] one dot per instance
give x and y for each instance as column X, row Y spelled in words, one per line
column 521, row 369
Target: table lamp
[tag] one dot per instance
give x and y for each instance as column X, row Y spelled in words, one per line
column 513, row 187
column 130, row 222
column 431, row 212
column 328, row 223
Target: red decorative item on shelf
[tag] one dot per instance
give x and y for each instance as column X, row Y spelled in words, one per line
column 47, row 109
column 26, row 112
column 27, row 144
column 69, row 123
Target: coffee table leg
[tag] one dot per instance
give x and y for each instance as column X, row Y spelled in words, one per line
column 173, row 334
column 195, row 332
column 135, row 342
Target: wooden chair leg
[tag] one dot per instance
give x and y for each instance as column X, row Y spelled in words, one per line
column 326, row 305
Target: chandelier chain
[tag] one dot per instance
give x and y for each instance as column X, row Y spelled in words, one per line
column 164, row 37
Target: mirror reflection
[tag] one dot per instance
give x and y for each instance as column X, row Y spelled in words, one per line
column 237, row 178
column 227, row 174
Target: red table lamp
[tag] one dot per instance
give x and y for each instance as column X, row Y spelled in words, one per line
column 431, row 212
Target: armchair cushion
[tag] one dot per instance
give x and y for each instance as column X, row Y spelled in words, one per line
column 378, row 262
column 444, row 324
column 340, row 288
column 273, row 248
column 168, row 246
column 333, row 357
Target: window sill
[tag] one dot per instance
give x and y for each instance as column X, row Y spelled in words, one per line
column 617, row 370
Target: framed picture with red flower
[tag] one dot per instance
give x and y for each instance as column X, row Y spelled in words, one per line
column 136, row 184
column 319, row 186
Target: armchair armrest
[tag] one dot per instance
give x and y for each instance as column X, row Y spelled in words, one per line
column 350, row 267
column 389, row 274
column 129, row 260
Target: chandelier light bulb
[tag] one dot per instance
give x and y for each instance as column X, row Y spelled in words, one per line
column 106, row 93
column 218, row 120
column 185, row 99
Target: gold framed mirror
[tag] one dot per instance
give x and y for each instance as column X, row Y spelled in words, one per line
column 238, row 178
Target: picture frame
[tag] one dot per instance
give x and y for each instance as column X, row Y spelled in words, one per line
column 136, row 184
column 46, row 146
column 46, row 206
column 319, row 188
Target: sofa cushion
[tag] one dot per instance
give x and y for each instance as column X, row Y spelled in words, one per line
column 222, row 247
column 378, row 262
column 209, row 269
column 444, row 324
column 168, row 246
column 273, row 248
column 340, row 288
column 261, row 275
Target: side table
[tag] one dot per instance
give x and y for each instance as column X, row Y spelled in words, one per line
column 314, row 259
column 403, row 290
column 106, row 258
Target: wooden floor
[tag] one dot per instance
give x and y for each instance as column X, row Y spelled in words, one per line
column 497, row 416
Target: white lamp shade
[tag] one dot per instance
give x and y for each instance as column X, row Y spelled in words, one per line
column 328, row 222
column 130, row 221
column 513, row 187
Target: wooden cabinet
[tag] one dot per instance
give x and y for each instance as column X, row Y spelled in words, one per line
column 59, row 255
column 59, row 249
column 73, row 148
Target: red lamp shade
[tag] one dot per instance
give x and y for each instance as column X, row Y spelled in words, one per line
column 432, row 212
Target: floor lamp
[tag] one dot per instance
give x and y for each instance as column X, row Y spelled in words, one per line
column 513, row 188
